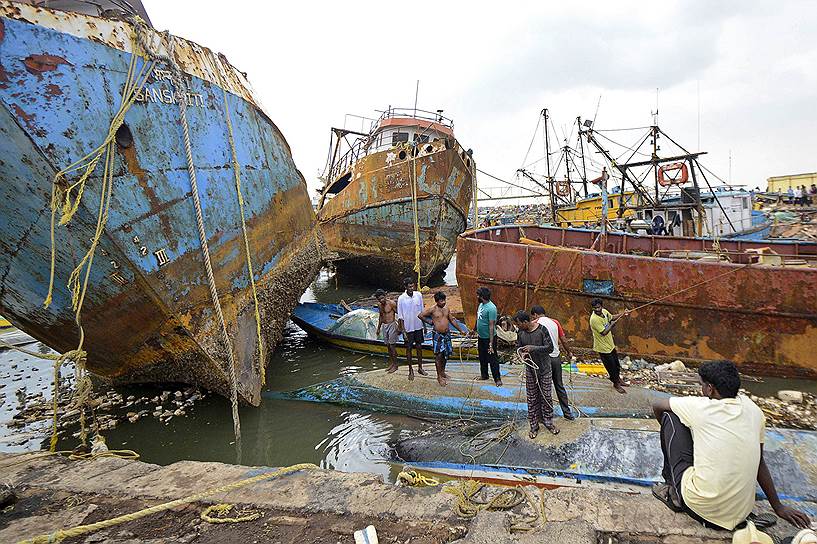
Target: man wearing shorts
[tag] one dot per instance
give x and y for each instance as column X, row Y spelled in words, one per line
column 409, row 306
column 442, row 320
column 387, row 322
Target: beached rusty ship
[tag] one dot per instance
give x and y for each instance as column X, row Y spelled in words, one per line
column 754, row 303
column 191, row 200
column 404, row 185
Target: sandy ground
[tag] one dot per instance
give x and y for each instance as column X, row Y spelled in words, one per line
column 316, row 506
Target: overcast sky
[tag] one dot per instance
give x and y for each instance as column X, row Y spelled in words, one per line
column 751, row 65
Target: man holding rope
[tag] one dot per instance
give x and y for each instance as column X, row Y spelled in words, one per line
column 534, row 346
column 601, row 324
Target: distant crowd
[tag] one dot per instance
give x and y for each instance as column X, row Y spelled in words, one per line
column 801, row 195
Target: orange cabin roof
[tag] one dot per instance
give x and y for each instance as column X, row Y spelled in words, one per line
column 413, row 122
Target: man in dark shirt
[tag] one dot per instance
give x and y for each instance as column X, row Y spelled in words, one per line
column 534, row 345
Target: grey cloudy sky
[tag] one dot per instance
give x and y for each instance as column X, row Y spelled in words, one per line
column 493, row 66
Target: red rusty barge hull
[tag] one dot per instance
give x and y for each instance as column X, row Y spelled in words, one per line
column 763, row 318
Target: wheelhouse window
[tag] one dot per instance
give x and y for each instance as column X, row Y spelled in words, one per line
column 421, row 138
column 399, row 137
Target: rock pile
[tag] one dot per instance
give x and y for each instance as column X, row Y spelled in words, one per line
column 111, row 408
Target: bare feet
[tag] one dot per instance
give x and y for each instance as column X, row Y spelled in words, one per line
column 392, row 369
column 532, row 434
column 411, row 376
column 445, row 375
column 422, row 372
column 498, row 383
column 442, row 381
column 619, row 388
column 552, row 428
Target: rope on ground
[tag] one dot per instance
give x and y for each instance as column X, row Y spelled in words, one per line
column 468, row 506
column 222, row 512
column 62, row 534
column 412, row 478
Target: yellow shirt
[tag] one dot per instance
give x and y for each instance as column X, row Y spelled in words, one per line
column 726, row 434
column 601, row 344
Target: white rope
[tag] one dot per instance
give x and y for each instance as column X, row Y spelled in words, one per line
column 181, row 92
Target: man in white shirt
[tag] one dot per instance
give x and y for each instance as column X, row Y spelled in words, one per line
column 557, row 335
column 409, row 306
column 713, row 453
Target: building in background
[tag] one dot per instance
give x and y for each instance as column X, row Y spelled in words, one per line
column 781, row 184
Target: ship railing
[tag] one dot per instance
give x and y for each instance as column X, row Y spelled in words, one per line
column 362, row 147
column 739, row 257
column 414, row 113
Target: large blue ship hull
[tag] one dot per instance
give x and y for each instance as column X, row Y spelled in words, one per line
column 148, row 315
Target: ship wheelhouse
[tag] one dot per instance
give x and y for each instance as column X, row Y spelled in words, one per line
column 398, row 129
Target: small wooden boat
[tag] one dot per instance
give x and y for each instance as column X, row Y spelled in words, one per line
column 11, row 336
column 356, row 330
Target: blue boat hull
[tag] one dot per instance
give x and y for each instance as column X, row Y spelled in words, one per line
column 148, row 315
column 611, row 451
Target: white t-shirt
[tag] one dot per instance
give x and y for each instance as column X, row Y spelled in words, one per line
column 727, row 434
column 408, row 307
column 553, row 331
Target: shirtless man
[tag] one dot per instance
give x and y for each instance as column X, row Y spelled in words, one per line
column 387, row 322
column 442, row 320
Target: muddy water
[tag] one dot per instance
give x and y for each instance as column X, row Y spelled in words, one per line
column 278, row 432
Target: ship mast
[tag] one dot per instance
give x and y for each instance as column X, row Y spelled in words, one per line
column 581, row 147
column 547, row 162
column 591, row 139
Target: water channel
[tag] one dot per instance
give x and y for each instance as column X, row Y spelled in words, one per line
column 278, row 433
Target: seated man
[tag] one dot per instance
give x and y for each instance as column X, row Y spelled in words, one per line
column 713, row 453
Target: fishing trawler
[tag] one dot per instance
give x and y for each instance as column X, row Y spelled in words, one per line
column 682, row 201
column 140, row 169
column 396, row 198
column 696, row 296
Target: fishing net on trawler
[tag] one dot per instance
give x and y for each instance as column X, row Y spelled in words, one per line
column 360, row 323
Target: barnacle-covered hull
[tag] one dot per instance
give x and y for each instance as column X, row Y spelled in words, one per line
column 148, row 315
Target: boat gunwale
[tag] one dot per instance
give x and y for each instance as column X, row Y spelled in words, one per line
column 468, row 236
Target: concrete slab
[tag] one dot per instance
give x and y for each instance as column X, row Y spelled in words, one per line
column 318, row 506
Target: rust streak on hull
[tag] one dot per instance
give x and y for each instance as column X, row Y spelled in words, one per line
column 370, row 224
column 761, row 317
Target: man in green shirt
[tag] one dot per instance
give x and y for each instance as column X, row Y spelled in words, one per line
column 486, row 331
column 601, row 324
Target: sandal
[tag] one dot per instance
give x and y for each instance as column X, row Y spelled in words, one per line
column 764, row 520
column 664, row 493
column 532, row 434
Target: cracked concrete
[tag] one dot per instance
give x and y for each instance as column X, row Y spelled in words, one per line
column 320, row 506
